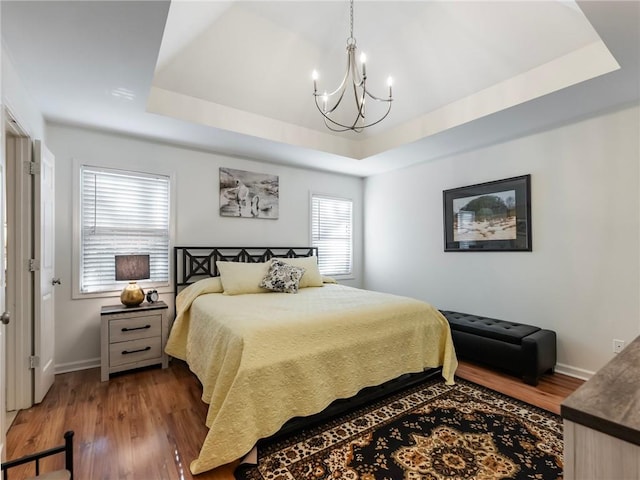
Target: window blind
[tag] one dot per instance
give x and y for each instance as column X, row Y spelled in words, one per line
column 331, row 232
column 122, row 213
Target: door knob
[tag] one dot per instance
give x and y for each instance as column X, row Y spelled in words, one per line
column 56, row 281
column 5, row 318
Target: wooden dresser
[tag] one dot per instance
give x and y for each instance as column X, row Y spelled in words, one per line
column 133, row 337
column 602, row 422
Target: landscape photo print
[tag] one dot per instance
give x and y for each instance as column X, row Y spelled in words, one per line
column 485, row 217
column 248, row 194
column 492, row 216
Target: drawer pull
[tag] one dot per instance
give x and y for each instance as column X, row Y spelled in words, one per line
column 125, row 329
column 127, row 352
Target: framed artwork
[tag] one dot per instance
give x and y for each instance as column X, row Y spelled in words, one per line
column 248, row 194
column 488, row 217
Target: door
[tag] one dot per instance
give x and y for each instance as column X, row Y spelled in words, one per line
column 4, row 317
column 44, row 318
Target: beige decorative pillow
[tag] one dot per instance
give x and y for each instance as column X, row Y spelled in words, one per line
column 238, row 277
column 311, row 277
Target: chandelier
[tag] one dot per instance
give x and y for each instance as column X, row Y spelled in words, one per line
column 327, row 103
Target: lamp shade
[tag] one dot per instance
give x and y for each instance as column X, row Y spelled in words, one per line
column 132, row 267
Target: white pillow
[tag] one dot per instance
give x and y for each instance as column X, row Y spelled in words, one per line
column 311, row 277
column 239, row 277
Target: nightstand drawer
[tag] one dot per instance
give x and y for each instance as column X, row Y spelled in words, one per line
column 134, row 351
column 128, row 329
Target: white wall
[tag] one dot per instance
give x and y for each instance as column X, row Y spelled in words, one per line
column 196, row 213
column 18, row 100
column 582, row 277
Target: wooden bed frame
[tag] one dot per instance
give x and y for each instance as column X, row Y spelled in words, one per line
column 196, row 263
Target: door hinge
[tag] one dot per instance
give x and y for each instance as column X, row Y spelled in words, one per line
column 31, row 168
column 34, row 361
column 34, row 265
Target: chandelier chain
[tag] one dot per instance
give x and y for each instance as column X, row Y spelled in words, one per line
column 351, row 19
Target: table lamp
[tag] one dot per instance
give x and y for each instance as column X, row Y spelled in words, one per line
column 132, row 268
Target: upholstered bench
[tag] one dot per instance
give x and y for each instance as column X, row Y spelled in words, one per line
column 525, row 350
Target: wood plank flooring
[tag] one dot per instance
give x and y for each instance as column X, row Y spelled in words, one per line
column 149, row 424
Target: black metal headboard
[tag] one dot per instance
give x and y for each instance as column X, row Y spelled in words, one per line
column 195, row 263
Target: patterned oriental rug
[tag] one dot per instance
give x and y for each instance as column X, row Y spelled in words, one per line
column 429, row 432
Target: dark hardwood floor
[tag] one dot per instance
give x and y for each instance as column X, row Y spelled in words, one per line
column 149, row 424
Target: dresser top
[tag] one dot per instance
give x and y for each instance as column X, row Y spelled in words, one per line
column 610, row 401
column 109, row 309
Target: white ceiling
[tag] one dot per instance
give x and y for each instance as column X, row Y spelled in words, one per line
column 235, row 77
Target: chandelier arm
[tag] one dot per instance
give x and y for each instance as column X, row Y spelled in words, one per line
column 356, row 84
column 343, row 84
column 328, row 95
column 378, row 99
column 329, row 123
column 333, row 129
column 355, row 73
column 343, row 127
column 361, row 107
column 380, row 119
column 341, row 88
column 359, row 100
column 324, row 113
column 333, row 109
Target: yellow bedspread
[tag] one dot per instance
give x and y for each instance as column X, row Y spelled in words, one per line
column 265, row 358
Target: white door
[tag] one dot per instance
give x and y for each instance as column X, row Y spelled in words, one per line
column 44, row 321
column 4, row 317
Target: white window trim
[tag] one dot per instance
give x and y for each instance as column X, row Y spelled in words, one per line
column 346, row 276
column 162, row 287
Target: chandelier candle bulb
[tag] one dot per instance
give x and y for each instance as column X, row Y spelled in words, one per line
column 363, row 60
column 390, row 83
column 314, row 75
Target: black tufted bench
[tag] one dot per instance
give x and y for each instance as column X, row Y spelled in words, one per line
column 525, row 350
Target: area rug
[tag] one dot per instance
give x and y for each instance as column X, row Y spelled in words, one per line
column 429, row 432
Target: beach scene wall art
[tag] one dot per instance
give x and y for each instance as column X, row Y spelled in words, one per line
column 248, row 194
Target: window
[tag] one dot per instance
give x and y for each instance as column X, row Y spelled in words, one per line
column 121, row 213
column 331, row 232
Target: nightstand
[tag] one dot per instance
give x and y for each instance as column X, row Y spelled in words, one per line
column 133, row 337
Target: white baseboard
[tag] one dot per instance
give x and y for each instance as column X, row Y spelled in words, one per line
column 573, row 371
column 80, row 365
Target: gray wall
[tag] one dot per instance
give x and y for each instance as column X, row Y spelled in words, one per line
column 582, row 278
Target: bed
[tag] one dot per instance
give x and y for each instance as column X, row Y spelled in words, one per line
column 266, row 358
